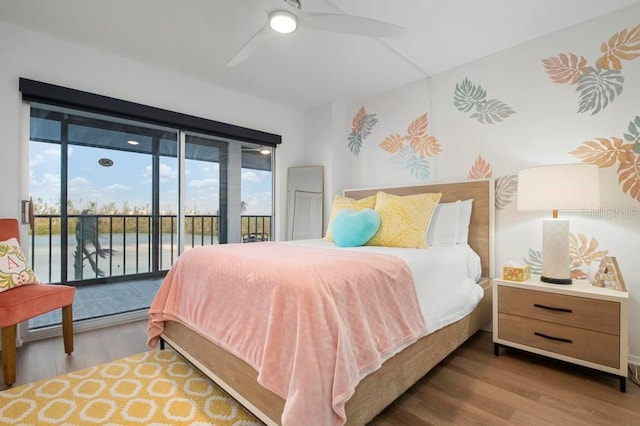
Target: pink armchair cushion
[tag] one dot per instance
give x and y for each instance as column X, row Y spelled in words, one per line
column 9, row 229
column 21, row 303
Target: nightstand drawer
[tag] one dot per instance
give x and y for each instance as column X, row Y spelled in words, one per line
column 590, row 314
column 600, row 348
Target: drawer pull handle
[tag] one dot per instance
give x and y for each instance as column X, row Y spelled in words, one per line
column 551, row 308
column 559, row 339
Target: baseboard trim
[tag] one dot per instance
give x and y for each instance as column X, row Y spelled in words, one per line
column 634, row 359
column 86, row 325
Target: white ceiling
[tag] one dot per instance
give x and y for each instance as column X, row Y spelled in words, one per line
column 309, row 67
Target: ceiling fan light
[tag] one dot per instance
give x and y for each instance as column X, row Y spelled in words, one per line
column 283, row 22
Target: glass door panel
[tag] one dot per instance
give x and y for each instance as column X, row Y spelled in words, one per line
column 168, row 183
column 44, row 173
column 109, row 211
column 257, row 193
column 203, row 158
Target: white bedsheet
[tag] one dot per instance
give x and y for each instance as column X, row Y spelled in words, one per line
column 445, row 278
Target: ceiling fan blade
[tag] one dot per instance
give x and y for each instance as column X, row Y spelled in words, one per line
column 249, row 47
column 350, row 24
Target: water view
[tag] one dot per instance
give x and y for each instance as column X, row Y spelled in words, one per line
column 126, row 254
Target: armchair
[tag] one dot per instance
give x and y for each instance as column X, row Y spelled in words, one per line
column 21, row 303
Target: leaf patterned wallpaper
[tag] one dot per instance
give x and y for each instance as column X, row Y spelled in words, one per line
column 600, row 85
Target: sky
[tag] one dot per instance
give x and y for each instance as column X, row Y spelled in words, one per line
column 128, row 181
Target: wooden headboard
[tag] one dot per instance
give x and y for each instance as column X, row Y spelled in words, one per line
column 481, row 226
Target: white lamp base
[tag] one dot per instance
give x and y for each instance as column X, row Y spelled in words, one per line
column 555, row 251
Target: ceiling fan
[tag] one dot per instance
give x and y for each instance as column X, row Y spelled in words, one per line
column 287, row 19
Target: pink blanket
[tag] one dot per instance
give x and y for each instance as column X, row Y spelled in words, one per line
column 313, row 322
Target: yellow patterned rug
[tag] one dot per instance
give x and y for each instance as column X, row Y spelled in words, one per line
column 152, row 388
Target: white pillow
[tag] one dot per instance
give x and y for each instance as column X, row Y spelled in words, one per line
column 443, row 228
column 464, row 218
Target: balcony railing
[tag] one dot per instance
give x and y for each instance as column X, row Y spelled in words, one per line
column 120, row 246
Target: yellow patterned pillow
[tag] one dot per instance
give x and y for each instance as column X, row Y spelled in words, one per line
column 404, row 219
column 341, row 203
column 14, row 268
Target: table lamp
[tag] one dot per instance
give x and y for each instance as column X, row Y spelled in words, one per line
column 558, row 187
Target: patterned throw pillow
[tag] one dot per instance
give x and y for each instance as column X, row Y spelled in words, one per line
column 14, row 268
column 404, row 219
column 342, row 203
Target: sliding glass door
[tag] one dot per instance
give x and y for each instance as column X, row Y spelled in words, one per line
column 96, row 187
column 117, row 200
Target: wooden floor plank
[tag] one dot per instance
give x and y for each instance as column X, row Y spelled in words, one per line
column 471, row 386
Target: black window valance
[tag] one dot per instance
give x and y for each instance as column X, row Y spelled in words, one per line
column 37, row 91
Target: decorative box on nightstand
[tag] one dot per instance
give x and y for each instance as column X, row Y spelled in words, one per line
column 577, row 323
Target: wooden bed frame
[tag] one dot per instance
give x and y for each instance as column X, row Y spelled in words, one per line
column 397, row 374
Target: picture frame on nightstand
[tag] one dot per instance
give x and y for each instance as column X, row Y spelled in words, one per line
column 609, row 275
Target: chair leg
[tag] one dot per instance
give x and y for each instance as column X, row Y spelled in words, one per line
column 67, row 328
column 9, row 354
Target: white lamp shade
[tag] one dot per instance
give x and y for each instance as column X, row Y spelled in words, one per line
column 559, row 187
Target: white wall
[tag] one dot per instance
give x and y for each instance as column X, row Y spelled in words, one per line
column 544, row 129
column 323, row 125
column 28, row 54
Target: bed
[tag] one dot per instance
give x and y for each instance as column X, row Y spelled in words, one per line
column 400, row 370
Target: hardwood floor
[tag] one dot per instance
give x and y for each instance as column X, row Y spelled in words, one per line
column 470, row 387
column 45, row 358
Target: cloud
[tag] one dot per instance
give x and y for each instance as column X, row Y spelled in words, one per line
column 166, row 173
column 80, row 187
column 49, row 184
column 36, row 160
column 251, row 177
column 47, row 155
column 117, row 187
column 203, row 183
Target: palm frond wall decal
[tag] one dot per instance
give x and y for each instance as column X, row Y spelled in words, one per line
column 597, row 86
column 506, row 187
column 413, row 150
column 566, row 68
column 361, row 127
column 583, row 251
column 607, row 152
column 480, row 169
column 534, row 259
column 506, row 191
column 468, row 96
column 622, row 45
column 634, row 134
column 599, row 89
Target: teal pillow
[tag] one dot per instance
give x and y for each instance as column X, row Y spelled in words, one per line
column 352, row 228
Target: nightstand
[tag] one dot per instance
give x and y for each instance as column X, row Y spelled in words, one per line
column 577, row 323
